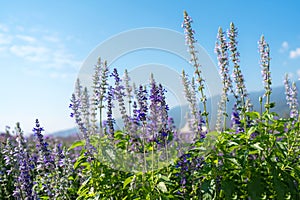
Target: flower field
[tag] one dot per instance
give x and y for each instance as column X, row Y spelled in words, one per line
column 247, row 154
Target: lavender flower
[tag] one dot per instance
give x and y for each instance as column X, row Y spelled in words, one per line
column 24, row 182
column 187, row 165
column 155, row 99
column 134, row 118
column 222, row 55
column 45, row 163
column 42, row 146
column 85, row 109
column 142, row 104
column 235, row 120
column 9, row 156
column 63, row 170
column 183, row 164
column 201, row 132
column 196, row 121
column 158, row 112
column 241, row 92
column 190, row 41
column 110, row 120
column 291, row 97
column 76, row 107
column 164, row 108
column 99, row 90
column 128, row 89
column 119, row 94
column 264, row 51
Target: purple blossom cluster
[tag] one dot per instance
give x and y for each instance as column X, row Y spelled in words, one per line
column 143, row 110
column 33, row 168
column 188, row 165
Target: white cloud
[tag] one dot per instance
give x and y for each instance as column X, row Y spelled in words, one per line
column 31, row 53
column 56, row 75
column 284, row 47
column 52, row 39
column 298, row 73
column 26, row 38
column 54, row 59
column 44, row 51
column 295, row 53
column 63, row 58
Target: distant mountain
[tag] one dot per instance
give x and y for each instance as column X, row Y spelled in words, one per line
column 65, row 133
column 179, row 112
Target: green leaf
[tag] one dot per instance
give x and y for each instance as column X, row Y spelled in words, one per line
column 127, row 181
column 253, row 152
column 79, row 143
column 162, row 187
column 82, row 188
column 207, row 196
column 165, row 178
column 118, row 134
column 233, row 160
column 256, row 146
column 79, row 161
column 253, row 115
column 272, row 104
column 251, row 130
column 213, row 133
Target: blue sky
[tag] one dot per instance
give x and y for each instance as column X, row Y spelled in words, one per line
column 44, row 43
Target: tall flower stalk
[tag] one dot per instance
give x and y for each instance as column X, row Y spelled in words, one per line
column 264, row 51
column 128, row 89
column 241, row 92
column 291, row 97
column 221, row 49
column 24, row 182
column 100, row 89
column 110, row 120
column 190, row 94
column 142, row 117
column 191, row 41
column 76, row 107
column 118, row 92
